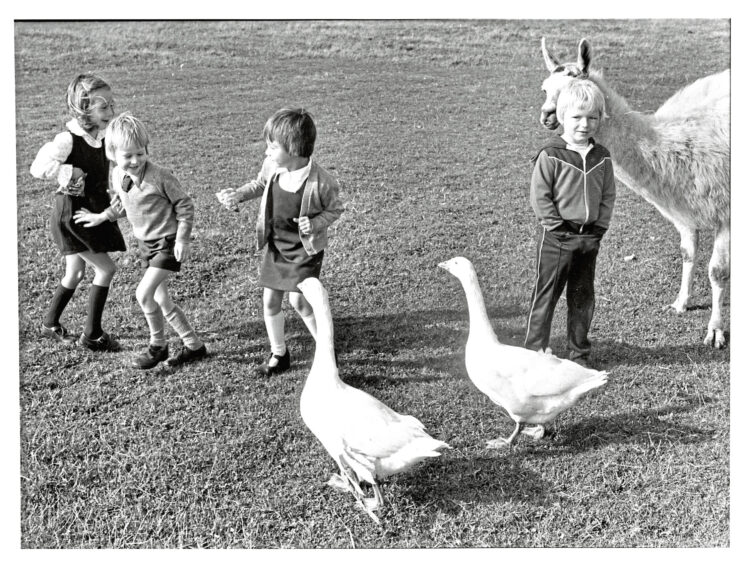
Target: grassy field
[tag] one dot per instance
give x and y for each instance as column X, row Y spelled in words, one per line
column 430, row 127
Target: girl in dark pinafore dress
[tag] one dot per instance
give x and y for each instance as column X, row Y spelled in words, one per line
column 76, row 160
column 299, row 202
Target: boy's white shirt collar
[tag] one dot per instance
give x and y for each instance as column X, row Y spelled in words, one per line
column 291, row 181
column 74, row 127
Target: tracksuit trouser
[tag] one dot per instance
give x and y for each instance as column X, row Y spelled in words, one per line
column 565, row 260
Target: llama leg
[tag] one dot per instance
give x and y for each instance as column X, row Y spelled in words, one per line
column 719, row 273
column 688, row 248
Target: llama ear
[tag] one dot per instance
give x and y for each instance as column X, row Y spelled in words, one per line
column 550, row 62
column 584, row 55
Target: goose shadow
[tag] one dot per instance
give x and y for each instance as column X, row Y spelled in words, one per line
column 453, row 480
column 642, row 427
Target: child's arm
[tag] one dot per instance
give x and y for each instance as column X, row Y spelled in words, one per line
column 608, row 200
column 231, row 197
column 90, row 219
column 540, row 193
column 184, row 210
column 329, row 194
column 50, row 164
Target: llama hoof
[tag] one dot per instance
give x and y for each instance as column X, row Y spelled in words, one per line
column 715, row 338
column 677, row 307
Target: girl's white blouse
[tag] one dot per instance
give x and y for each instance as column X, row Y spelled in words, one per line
column 48, row 163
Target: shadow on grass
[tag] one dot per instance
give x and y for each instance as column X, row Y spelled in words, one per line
column 408, row 340
column 644, row 427
column 452, row 482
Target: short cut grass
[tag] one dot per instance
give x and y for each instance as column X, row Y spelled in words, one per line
column 293, row 129
column 124, row 130
column 583, row 94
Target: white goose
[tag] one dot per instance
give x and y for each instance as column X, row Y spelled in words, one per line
column 368, row 440
column 533, row 387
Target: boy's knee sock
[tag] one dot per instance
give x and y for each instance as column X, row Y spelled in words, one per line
column 276, row 333
column 178, row 321
column 156, row 326
column 310, row 322
column 60, row 299
column 96, row 301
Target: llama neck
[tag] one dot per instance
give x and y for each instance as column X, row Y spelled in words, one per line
column 624, row 131
column 479, row 323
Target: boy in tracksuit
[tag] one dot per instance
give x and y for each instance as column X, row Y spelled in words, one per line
column 572, row 194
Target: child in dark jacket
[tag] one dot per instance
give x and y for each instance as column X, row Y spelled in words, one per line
column 572, row 194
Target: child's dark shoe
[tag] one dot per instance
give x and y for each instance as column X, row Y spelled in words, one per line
column 105, row 343
column 187, row 355
column 58, row 333
column 151, row 356
column 282, row 364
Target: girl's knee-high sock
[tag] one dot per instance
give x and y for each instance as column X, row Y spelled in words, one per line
column 60, row 299
column 276, row 333
column 310, row 322
column 178, row 321
column 96, row 301
column 156, row 326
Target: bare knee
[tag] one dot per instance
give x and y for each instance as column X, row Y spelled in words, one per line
column 145, row 298
column 73, row 276
column 272, row 300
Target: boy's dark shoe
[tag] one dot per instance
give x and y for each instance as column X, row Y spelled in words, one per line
column 151, row 356
column 105, row 343
column 283, row 364
column 187, row 355
column 58, row 333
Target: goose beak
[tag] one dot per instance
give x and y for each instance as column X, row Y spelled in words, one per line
column 443, row 265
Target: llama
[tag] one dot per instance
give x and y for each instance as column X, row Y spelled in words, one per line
column 678, row 159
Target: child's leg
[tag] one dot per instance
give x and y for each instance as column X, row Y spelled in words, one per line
column 75, row 269
column 104, row 269
column 553, row 261
column 145, row 294
column 272, row 301
column 304, row 309
column 176, row 318
column 580, row 297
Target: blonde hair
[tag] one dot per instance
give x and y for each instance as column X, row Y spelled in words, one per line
column 79, row 101
column 123, row 130
column 293, row 129
column 580, row 93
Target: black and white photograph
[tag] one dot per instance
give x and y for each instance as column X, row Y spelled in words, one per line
column 380, row 282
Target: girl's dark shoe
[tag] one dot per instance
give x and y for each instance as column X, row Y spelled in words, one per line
column 105, row 343
column 283, row 364
column 152, row 356
column 187, row 355
column 58, row 333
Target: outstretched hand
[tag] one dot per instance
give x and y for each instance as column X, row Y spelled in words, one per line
column 88, row 219
column 229, row 197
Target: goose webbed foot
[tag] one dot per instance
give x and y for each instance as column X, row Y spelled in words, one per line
column 337, row 481
column 500, row 442
column 536, row 432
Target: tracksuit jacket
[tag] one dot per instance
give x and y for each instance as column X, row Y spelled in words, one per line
column 558, row 174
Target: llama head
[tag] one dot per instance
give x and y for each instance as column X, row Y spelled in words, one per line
column 560, row 75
